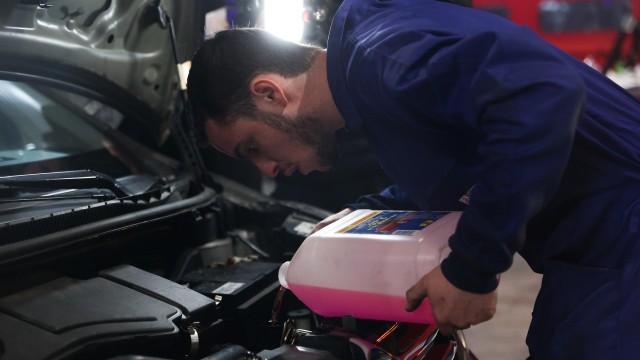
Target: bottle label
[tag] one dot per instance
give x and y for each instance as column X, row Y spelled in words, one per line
column 387, row 222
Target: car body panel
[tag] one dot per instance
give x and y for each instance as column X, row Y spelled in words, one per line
column 120, row 40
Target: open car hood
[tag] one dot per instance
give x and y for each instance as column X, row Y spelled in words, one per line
column 119, row 40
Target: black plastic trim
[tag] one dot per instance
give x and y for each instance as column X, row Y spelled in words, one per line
column 18, row 252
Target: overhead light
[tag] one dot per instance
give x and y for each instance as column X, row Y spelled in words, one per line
column 283, row 18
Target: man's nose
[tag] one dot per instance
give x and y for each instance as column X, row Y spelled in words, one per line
column 267, row 167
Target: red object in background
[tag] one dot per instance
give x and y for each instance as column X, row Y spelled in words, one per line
column 582, row 28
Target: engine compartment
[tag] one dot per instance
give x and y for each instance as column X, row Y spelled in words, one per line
column 200, row 284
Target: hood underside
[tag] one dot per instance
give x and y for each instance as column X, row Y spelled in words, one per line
column 120, row 40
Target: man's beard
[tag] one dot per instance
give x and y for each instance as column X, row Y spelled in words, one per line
column 307, row 130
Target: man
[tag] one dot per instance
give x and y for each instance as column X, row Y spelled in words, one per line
column 458, row 103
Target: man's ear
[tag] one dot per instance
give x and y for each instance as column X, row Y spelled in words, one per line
column 268, row 91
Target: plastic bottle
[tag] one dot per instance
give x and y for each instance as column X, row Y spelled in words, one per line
column 363, row 264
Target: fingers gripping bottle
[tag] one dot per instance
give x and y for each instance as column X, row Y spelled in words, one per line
column 362, row 264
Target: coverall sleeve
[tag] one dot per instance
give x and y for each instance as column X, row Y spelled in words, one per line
column 391, row 198
column 520, row 99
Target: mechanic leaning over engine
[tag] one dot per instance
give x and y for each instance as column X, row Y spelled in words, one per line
column 458, row 102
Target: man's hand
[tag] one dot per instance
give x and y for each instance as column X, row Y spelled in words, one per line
column 331, row 218
column 453, row 308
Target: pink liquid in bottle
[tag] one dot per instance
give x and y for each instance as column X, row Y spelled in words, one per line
column 361, row 304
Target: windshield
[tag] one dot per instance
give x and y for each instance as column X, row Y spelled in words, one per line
column 43, row 129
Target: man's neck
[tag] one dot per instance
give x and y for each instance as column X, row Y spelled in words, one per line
column 317, row 99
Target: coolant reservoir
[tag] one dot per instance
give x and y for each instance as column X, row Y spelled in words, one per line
column 362, row 264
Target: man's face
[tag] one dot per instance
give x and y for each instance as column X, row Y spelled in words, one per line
column 276, row 144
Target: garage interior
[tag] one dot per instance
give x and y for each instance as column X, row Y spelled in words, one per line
column 124, row 235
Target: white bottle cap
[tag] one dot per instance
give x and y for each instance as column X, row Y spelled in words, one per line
column 282, row 274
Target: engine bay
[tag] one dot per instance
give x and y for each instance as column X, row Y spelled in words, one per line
column 202, row 285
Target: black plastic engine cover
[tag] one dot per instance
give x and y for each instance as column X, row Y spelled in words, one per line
column 191, row 303
column 97, row 318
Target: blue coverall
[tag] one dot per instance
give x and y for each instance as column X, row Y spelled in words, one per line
column 457, row 101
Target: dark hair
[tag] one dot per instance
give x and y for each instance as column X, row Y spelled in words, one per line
column 221, row 70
